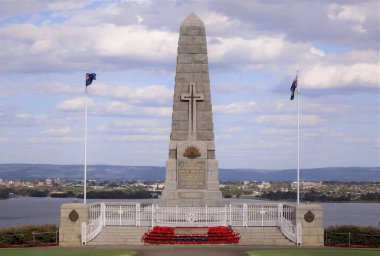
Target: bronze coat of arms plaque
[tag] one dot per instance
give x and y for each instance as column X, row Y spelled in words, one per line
column 309, row 217
column 73, row 215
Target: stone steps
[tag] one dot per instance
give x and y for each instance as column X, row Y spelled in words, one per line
column 262, row 236
column 115, row 235
column 119, row 236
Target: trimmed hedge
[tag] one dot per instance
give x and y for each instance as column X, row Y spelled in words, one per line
column 23, row 235
column 350, row 235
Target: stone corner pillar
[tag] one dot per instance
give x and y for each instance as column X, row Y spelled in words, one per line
column 72, row 216
column 310, row 216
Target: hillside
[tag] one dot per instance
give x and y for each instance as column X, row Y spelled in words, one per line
column 43, row 171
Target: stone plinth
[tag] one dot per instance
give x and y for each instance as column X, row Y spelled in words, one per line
column 311, row 218
column 72, row 216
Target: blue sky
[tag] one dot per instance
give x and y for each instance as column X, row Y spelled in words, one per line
column 254, row 50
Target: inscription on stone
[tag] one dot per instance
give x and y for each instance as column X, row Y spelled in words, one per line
column 191, row 174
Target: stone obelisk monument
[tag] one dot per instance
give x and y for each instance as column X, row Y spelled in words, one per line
column 192, row 170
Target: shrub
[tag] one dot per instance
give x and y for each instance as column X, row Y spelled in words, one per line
column 43, row 234
column 352, row 235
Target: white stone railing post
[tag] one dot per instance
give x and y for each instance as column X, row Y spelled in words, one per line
column 138, row 217
column 280, row 211
column 176, row 215
column 206, row 210
column 230, row 215
column 84, row 233
column 299, row 233
column 152, row 215
column 103, row 214
column 225, row 215
column 245, row 217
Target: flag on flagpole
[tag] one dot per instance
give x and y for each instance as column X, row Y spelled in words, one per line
column 89, row 78
column 293, row 87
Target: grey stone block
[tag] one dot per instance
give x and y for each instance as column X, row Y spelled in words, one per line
column 205, row 136
column 205, row 68
column 181, row 106
column 200, row 58
column 189, row 48
column 171, row 165
column 185, row 59
column 204, row 116
column 205, row 126
column 184, row 78
column 192, row 31
column 203, row 49
column 172, row 154
column 178, row 135
column 210, row 154
column 199, row 40
column 171, row 185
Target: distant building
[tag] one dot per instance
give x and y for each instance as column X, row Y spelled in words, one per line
column 49, row 182
column 1, row 181
column 308, row 185
column 264, row 185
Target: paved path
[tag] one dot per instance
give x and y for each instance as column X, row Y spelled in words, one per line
column 192, row 250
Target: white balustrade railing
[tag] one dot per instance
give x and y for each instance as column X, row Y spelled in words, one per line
column 286, row 214
column 95, row 222
column 240, row 215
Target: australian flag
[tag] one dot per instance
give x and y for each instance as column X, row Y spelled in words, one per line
column 293, row 88
column 89, row 78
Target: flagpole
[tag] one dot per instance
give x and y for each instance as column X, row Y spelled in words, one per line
column 298, row 142
column 85, row 150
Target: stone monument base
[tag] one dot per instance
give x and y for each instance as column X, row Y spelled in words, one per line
column 192, row 175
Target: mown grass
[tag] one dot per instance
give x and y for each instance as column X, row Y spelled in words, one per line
column 59, row 251
column 315, row 252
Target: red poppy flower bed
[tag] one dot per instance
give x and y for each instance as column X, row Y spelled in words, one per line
column 191, row 235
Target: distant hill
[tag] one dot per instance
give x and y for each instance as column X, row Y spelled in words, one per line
column 43, row 171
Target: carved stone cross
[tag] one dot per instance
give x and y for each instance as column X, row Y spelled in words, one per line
column 192, row 97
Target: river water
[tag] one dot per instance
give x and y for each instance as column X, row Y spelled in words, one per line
column 46, row 210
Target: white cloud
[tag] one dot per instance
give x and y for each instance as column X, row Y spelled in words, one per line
column 54, row 140
column 325, row 76
column 262, row 49
column 218, row 23
column 131, row 126
column 67, row 5
column 4, row 139
column 277, row 132
column 151, row 94
column 139, row 19
column 142, row 138
column 113, row 108
column 235, row 108
column 346, row 12
column 52, row 47
column 316, row 51
column 126, row 42
column 235, row 130
column 30, row 118
column 289, row 120
column 61, row 131
column 74, row 104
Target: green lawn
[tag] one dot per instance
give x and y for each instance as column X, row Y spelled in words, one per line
column 316, row 252
column 59, row 251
